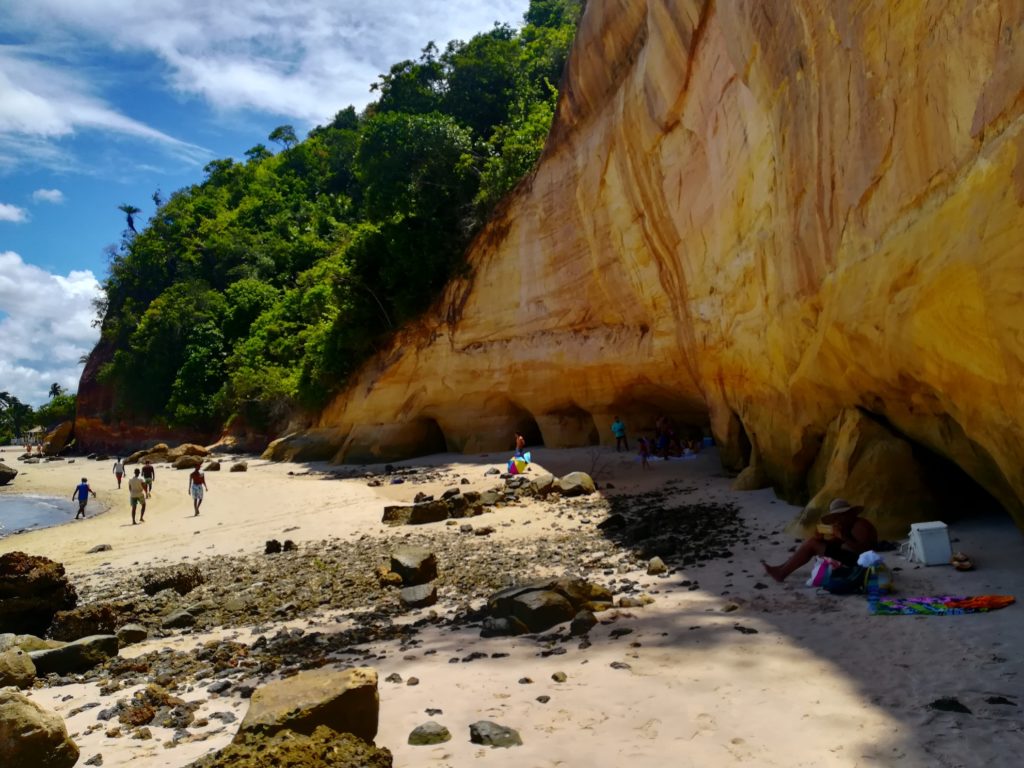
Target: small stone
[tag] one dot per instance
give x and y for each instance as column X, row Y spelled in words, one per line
column 219, row 687
column 96, row 759
column 413, row 681
column 582, row 623
column 656, row 567
column 525, row 681
column 93, row 551
column 620, row 665
column 465, row 528
column 394, row 677
column 730, row 607
column 544, row 699
column 429, row 733
column 559, row 677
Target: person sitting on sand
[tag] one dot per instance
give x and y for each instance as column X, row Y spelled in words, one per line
column 196, row 486
column 82, row 491
column 851, row 535
column 137, row 492
column 118, row 471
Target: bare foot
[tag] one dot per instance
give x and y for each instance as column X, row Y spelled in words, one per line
column 775, row 571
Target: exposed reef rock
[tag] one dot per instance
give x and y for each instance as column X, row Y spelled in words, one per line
column 753, row 215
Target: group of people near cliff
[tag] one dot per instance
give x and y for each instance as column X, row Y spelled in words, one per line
column 665, row 443
column 140, row 488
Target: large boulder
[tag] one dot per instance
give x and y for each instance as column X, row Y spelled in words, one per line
column 181, row 578
column 188, row 462
column 345, row 701
column 576, row 484
column 324, row 748
column 32, row 590
column 7, row 474
column 16, row 668
column 416, row 565
column 187, row 449
column 540, row 605
column 32, row 737
column 57, row 440
column 79, row 656
column 85, row 620
column 420, row 596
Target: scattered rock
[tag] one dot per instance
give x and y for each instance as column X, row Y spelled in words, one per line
column 416, row 565
column 493, row 735
column 323, row 748
column 99, row 548
column 543, row 604
column 272, row 547
column 32, row 737
column 582, row 623
column 949, row 704
column 344, row 700
column 239, row 466
column 96, row 759
column 16, row 668
column 213, row 466
column 559, row 677
column 181, row 578
column 188, row 462
column 86, row 620
column 178, row 620
column 544, row 699
column 79, row 656
column 429, row 733
column 419, row 596
column 576, row 484
column 7, row 474
column 656, row 566
column 33, row 589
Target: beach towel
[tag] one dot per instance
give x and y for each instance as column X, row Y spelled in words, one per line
column 945, row 605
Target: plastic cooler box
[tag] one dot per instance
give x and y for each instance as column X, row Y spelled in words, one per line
column 929, row 543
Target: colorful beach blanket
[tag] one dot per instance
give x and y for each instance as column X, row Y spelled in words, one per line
column 946, row 605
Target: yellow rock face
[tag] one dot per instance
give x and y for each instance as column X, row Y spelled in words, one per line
column 750, row 214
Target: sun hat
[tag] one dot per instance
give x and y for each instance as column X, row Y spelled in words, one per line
column 837, row 509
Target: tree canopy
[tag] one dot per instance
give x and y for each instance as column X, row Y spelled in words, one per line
column 257, row 291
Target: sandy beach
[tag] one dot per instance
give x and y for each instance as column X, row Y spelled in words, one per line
column 723, row 667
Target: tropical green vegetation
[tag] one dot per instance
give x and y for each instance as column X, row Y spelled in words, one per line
column 17, row 418
column 256, row 293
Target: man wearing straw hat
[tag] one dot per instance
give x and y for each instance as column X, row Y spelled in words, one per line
column 851, row 535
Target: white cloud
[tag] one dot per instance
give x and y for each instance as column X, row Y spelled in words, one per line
column 54, row 196
column 304, row 59
column 45, row 327
column 45, row 98
column 13, row 213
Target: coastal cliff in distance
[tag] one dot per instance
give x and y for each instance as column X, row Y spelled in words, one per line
column 798, row 223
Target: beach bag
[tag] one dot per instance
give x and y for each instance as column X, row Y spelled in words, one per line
column 846, row 580
column 820, row 570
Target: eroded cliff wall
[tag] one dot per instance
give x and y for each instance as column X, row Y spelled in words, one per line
column 767, row 216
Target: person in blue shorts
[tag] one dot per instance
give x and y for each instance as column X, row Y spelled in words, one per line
column 81, row 492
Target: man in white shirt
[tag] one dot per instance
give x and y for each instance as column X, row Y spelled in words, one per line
column 137, row 492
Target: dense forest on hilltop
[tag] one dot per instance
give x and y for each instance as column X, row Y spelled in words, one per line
column 255, row 293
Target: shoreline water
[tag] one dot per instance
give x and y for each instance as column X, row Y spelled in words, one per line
column 23, row 512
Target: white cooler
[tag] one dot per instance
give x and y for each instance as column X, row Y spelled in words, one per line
column 929, row 543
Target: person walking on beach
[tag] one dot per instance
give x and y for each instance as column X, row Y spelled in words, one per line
column 520, row 445
column 619, row 430
column 197, row 486
column 137, row 492
column 81, row 492
column 118, row 471
column 148, row 476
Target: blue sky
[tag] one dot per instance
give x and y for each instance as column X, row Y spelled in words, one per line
column 103, row 103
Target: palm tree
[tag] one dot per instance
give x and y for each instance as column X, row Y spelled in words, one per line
column 129, row 212
column 56, row 390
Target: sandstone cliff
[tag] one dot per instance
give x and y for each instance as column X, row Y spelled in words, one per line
column 774, row 218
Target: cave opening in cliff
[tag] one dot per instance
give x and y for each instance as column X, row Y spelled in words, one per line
column 569, row 427
column 959, row 495
column 429, row 437
column 525, row 424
